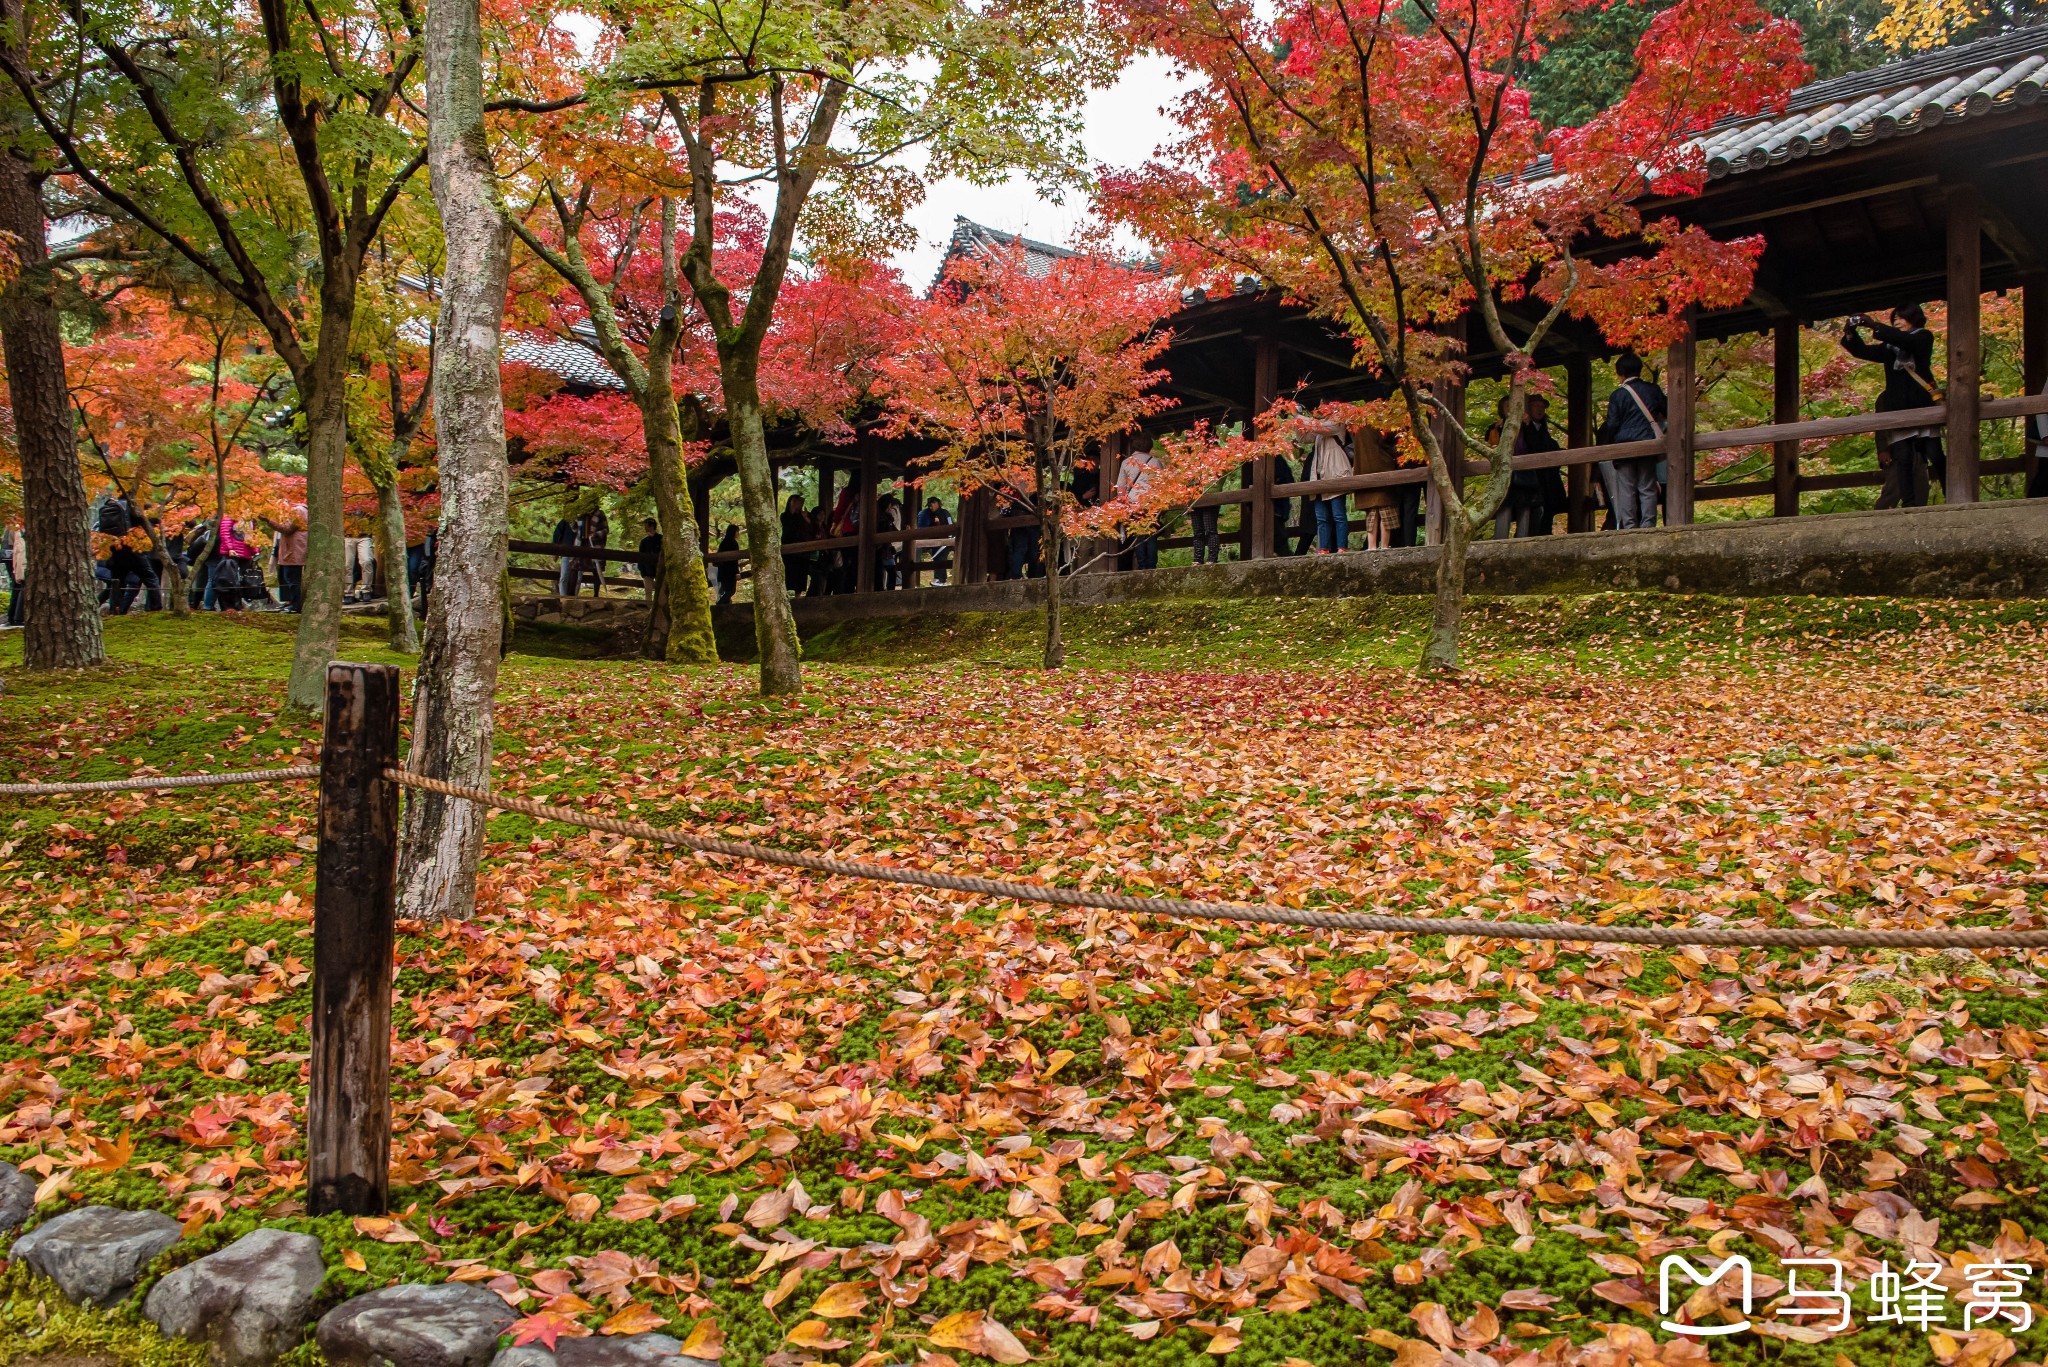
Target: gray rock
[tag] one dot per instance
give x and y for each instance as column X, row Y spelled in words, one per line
column 623, row 1350
column 249, row 1303
column 96, row 1253
column 17, row 1196
column 451, row 1324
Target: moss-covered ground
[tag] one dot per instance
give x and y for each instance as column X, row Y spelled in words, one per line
column 792, row 1118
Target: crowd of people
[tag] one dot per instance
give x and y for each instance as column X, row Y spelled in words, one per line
column 226, row 564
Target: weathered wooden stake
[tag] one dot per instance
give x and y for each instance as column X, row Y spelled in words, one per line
column 348, row 1104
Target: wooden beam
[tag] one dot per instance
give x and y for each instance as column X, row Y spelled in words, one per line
column 1785, row 409
column 1578, row 432
column 1965, row 338
column 1681, row 394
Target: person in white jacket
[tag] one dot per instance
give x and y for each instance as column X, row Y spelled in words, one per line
column 1133, row 478
column 1331, row 459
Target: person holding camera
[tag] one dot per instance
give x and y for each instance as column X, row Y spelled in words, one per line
column 1911, row 457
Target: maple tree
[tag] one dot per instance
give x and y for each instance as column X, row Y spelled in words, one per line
column 164, row 399
column 1380, row 171
column 1021, row 373
column 643, row 331
column 813, row 103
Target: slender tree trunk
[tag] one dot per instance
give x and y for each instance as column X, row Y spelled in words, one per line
column 63, row 603
column 442, row 839
column 686, row 593
column 1055, row 638
column 774, row 624
column 324, row 579
column 404, row 629
column 1440, row 654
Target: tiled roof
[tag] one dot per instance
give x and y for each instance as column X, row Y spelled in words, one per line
column 576, row 362
column 973, row 239
column 1988, row 78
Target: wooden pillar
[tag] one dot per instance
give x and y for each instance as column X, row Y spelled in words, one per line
column 1785, row 408
column 1258, row 518
column 1965, row 339
column 870, row 474
column 1454, row 457
column 355, row 897
column 1453, row 395
column 1681, row 393
column 1100, row 553
column 2034, row 370
column 970, row 539
column 1578, row 432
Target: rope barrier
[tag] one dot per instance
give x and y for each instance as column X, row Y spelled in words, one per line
column 1753, row 937
column 122, row 785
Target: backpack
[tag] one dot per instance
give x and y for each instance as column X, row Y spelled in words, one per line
column 114, row 518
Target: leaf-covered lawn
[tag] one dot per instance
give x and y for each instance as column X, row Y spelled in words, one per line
column 802, row 1118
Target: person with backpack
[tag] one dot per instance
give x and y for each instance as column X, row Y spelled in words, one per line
column 127, row 568
column 1912, row 457
column 1635, row 412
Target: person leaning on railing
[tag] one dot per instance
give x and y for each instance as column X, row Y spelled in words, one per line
column 1912, row 457
column 1635, row 412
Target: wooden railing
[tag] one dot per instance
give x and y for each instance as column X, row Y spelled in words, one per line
column 914, row 539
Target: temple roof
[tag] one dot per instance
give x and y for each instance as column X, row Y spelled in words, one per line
column 1984, row 79
column 971, row 239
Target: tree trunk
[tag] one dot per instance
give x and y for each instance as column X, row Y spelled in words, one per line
column 685, row 597
column 404, row 629
column 1440, row 654
column 442, row 839
column 323, row 581
column 1055, row 640
column 63, row 602
column 774, row 624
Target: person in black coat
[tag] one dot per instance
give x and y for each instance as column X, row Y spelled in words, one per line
column 1912, row 457
column 1535, row 497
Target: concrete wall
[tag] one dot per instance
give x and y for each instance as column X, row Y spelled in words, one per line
column 1985, row 550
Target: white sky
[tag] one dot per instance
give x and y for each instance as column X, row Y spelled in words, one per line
column 1123, row 125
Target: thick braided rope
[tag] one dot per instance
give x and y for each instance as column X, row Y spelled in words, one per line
column 122, row 785
column 1761, row 937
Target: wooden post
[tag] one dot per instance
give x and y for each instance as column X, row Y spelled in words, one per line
column 1578, row 432
column 1785, row 408
column 2033, row 370
column 1265, row 389
column 864, row 570
column 970, row 540
column 1454, row 452
column 1965, row 342
column 1681, row 394
column 348, row 1102
column 1101, row 552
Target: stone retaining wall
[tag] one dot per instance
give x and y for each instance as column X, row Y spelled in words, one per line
column 1988, row 550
